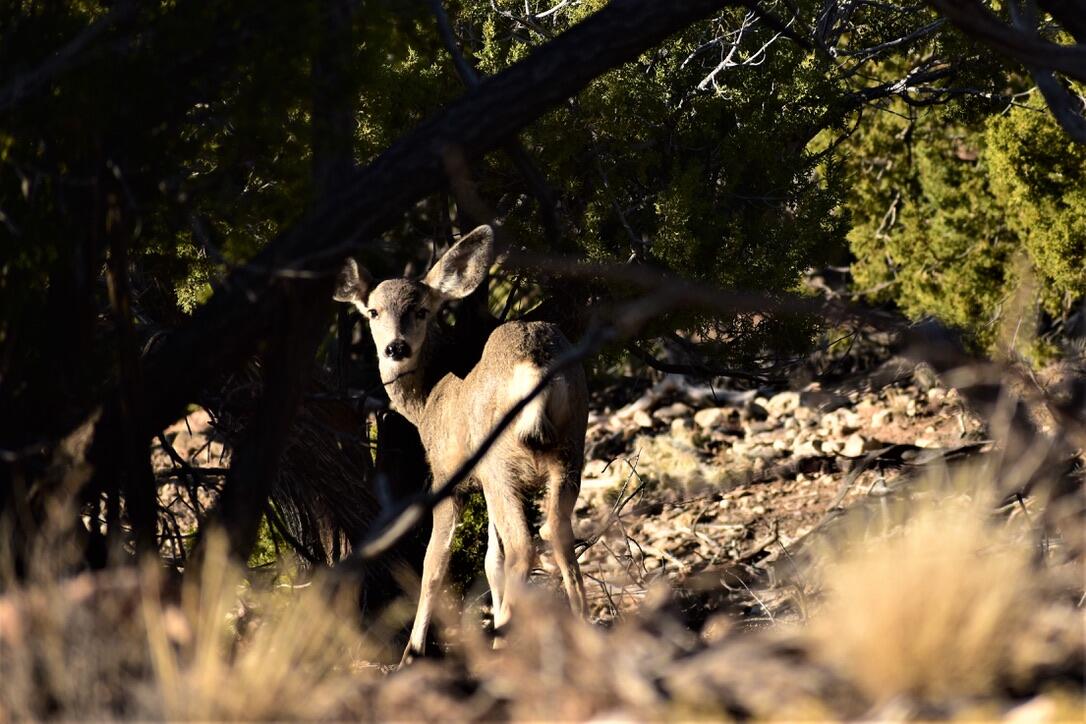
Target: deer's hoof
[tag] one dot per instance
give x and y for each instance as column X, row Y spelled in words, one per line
column 409, row 655
column 499, row 640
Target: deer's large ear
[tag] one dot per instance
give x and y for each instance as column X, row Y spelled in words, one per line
column 464, row 266
column 353, row 284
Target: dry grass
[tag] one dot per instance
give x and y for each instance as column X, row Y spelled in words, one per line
column 128, row 644
column 934, row 608
column 230, row 653
column 940, row 601
column 673, row 461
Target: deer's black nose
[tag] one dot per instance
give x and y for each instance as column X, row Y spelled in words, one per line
column 397, row 349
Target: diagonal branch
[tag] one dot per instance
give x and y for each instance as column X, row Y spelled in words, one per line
column 64, row 59
column 980, row 23
column 513, row 148
column 227, row 329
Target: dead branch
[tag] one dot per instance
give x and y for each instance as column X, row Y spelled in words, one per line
column 227, row 329
column 977, row 21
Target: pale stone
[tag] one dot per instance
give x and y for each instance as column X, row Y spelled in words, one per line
column 681, row 425
column 642, row 419
column 672, row 411
column 850, row 421
column 882, row 418
column 710, row 417
column 782, row 403
column 805, row 414
column 641, row 404
column 854, row 446
column 763, row 452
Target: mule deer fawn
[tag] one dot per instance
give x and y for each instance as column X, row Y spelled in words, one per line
column 543, row 448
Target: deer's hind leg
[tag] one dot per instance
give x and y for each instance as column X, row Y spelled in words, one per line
column 563, row 487
column 505, row 509
column 494, row 564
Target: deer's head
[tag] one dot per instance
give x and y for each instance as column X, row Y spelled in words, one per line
column 400, row 311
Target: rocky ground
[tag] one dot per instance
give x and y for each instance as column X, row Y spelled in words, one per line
column 685, row 481
column 724, row 582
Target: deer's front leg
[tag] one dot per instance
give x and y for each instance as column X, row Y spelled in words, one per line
column 434, row 567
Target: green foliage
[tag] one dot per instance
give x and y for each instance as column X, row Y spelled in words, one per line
column 466, row 568
column 183, row 136
column 953, row 213
column 918, row 236
column 469, row 543
column 269, row 545
column 1038, row 177
column 716, row 185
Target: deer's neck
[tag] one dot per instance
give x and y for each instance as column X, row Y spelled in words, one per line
column 408, row 395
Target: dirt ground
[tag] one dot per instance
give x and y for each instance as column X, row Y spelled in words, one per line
column 764, row 553
column 684, row 480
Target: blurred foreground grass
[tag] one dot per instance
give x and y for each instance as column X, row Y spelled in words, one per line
column 939, row 606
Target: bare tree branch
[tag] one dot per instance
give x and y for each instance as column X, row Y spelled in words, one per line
column 227, row 329
column 64, row 59
column 513, row 148
column 979, row 22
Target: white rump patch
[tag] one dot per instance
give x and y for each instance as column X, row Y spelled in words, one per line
column 532, row 419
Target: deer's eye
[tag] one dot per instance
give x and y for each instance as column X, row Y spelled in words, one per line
column 421, row 313
column 372, row 313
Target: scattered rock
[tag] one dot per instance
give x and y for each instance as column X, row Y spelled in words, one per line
column 641, row 418
column 711, row 417
column 850, row 421
column 641, row 404
column 805, row 415
column 823, row 401
column 855, row 446
column 681, row 426
column 937, row 396
column 672, row 411
column 882, row 418
column 782, row 403
column 763, row 452
column 841, row 422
